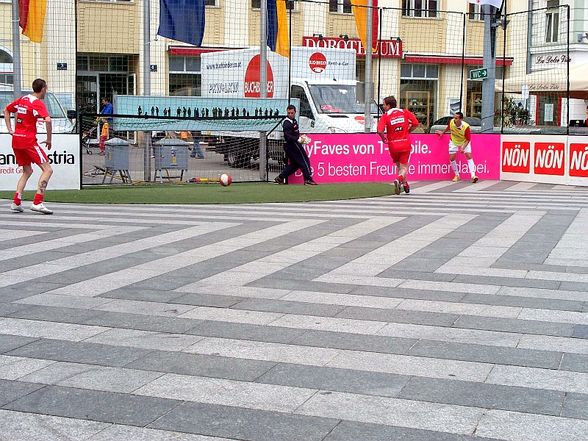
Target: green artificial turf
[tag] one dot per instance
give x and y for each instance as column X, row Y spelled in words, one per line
column 242, row 193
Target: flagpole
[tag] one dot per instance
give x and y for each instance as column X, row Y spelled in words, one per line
column 147, row 83
column 16, row 66
column 263, row 85
column 368, row 69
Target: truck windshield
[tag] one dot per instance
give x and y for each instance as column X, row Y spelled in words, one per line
column 53, row 107
column 337, row 98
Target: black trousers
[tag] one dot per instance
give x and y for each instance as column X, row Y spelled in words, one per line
column 298, row 159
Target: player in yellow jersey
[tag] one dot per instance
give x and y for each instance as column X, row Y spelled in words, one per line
column 459, row 142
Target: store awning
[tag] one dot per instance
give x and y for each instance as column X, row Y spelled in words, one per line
column 453, row 59
column 550, row 81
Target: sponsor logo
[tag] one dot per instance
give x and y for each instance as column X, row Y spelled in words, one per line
column 516, row 157
column 549, row 158
column 54, row 158
column 252, row 79
column 317, row 62
column 579, row 160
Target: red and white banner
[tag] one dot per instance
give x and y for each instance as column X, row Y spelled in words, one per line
column 550, row 159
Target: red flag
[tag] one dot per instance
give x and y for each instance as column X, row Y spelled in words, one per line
column 23, row 13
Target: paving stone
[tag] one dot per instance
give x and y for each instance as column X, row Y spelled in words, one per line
column 202, row 365
column 244, row 424
column 7, row 309
column 199, row 299
column 145, row 294
column 244, row 331
column 141, row 322
column 487, row 354
column 118, row 433
column 575, row 406
column 355, row 342
column 580, row 331
column 401, row 293
column 13, row 390
column 305, row 285
column 354, row 431
column 509, row 281
column 575, row 362
column 488, row 396
column 79, row 352
column 56, row 314
column 10, row 342
column 287, row 307
column 398, row 316
column 92, row 405
column 524, row 302
column 332, row 379
column 514, row 325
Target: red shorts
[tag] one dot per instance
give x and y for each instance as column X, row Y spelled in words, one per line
column 400, row 157
column 33, row 154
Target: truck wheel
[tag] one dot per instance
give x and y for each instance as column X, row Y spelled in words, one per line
column 237, row 160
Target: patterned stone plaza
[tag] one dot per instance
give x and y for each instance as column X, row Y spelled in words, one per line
column 456, row 313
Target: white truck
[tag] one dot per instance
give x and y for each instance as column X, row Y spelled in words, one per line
column 324, row 80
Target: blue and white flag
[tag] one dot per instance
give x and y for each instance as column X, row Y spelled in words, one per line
column 182, row 20
column 495, row 3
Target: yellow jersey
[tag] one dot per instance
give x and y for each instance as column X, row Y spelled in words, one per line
column 460, row 134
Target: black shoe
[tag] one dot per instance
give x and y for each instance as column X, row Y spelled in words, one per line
column 278, row 180
column 406, row 187
column 310, row 182
column 396, row 185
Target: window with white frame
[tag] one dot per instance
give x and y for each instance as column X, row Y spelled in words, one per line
column 184, row 75
column 256, row 4
column 340, row 6
column 552, row 22
column 475, row 12
column 419, row 8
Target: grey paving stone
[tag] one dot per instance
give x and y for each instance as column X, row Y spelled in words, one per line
column 332, row 379
column 56, row 314
column 79, row 352
column 575, row 362
column 508, row 281
column 398, row 316
column 6, row 309
column 244, row 424
column 202, row 365
column 13, row 390
column 107, row 407
column 141, row 322
column 199, row 299
column 483, row 395
column 10, row 342
column 355, row 342
column 419, row 294
column 487, row 354
column 412, row 273
column 305, row 285
column 145, row 294
column 287, row 307
column 580, row 331
column 574, row 286
column 27, row 289
column 524, row 302
column 575, row 406
column 244, row 331
column 354, row 431
column 423, row 264
column 514, row 325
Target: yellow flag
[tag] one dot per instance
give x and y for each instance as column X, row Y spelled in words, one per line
column 283, row 38
column 360, row 11
column 36, row 20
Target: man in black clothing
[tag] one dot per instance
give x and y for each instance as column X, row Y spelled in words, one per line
column 295, row 153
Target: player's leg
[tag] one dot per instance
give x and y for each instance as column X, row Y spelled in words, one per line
column 471, row 165
column 46, row 172
column 16, row 205
column 397, row 182
column 453, row 149
column 402, row 165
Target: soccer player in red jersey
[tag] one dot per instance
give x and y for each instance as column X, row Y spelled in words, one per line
column 393, row 127
column 29, row 109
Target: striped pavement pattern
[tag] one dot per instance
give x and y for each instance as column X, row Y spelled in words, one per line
column 455, row 313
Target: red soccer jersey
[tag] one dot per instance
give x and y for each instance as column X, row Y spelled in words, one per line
column 28, row 110
column 397, row 124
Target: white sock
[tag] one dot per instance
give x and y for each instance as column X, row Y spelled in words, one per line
column 454, row 167
column 472, row 167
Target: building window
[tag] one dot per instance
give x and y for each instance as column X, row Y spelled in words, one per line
column 340, row 6
column 419, row 8
column 6, row 78
column 184, row 76
column 256, row 4
column 475, row 12
column 210, row 3
column 418, row 90
column 552, row 22
column 103, row 63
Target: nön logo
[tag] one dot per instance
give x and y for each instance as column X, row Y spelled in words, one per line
column 549, row 158
column 515, row 157
column 579, row 160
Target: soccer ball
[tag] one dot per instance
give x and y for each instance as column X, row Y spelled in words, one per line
column 225, row 180
column 304, row 139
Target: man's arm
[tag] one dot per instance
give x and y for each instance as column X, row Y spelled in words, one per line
column 414, row 122
column 381, row 129
column 49, row 128
column 290, row 135
column 7, row 120
column 447, row 130
column 467, row 135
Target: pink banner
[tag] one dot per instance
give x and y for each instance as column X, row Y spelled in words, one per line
column 360, row 157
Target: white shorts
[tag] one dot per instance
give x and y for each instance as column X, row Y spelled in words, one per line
column 455, row 149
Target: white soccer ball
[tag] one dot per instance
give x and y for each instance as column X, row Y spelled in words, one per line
column 304, row 139
column 225, row 180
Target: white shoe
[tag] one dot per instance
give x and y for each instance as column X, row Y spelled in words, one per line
column 40, row 208
column 16, row 208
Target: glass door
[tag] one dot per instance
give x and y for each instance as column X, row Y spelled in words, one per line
column 87, row 91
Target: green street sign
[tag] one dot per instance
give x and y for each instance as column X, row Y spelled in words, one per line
column 478, row 74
